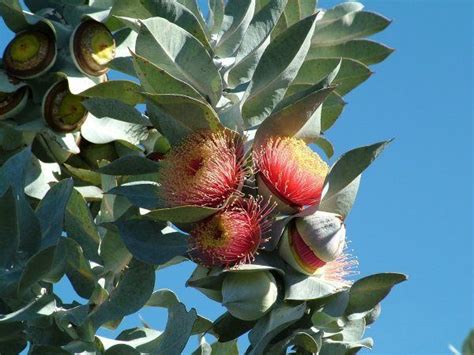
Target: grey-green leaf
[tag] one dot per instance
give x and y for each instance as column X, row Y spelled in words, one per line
column 278, row 66
column 367, row 292
column 349, row 166
column 50, row 212
column 126, row 91
column 132, row 292
column 357, row 24
column 180, row 54
column 143, row 195
column 9, row 228
column 143, row 238
column 341, row 203
column 129, row 165
column 193, row 114
column 182, row 214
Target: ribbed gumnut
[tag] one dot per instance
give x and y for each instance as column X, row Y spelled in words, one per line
column 30, row 54
column 230, row 237
column 249, row 295
column 11, row 103
column 63, row 111
column 205, row 169
column 290, row 173
column 315, row 249
column 92, row 47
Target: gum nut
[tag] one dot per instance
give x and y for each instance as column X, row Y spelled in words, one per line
column 13, row 103
column 202, row 272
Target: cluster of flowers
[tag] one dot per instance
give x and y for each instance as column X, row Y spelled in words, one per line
column 212, row 169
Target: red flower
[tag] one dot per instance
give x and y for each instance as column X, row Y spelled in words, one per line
column 291, row 172
column 205, row 170
column 231, row 236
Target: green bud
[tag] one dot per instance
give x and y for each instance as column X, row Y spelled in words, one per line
column 249, row 295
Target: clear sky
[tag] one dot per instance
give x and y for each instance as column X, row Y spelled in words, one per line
column 414, row 209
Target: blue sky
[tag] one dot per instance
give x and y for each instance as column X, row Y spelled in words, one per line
column 414, row 209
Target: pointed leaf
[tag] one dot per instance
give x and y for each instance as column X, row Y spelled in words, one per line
column 43, row 306
column 180, row 54
column 129, row 165
column 277, row 68
column 146, row 242
column 141, row 195
column 157, row 81
column 367, row 292
column 182, row 214
column 341, row 203
column 9, row 228
column 350, row 26
column 126, row 91
column 362, row 50
column 192, row 113
column 349, row 166
column 132, row 292
column 50, row 212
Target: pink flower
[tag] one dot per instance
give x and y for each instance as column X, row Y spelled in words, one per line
column 205, row 170
column 290, row 172
column 231, row 236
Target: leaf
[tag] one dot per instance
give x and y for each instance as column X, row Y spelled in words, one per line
column 367, row 292
column 141, row 195
column 157, row 81
column 172, row 11
column 191, row 113
column 468, row 345
column 9, row 228
column 357, row 24
column 85, row 175
column 129, row 165
column 115, row 109
column 177, row 332
column 182, row 214
column 143, row 238
column 42, row 306
column 254, row 42
column 106, row 130
column 299, row 287
column 132, row 292
column 50, row 212
column 292, row 119
column 227, row 348
column 114, row 253
column 349, row 166
column 341, row 203
column 325, row 145
column 350, row 75
column 227, row 327
column 237, row 17
column 12, row 14
column 125, row 91
column 363, row 50
column 278, row 66
column 216, row 15
column 332, row 109
column 180, row 54
column 341, row 10
column 79, row 226
column 163, row 298
column 273, row 323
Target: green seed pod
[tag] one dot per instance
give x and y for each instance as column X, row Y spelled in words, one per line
column 92, row 48
column 63, row 111
column 249, row 295
column 11, row 103
column 30, row 54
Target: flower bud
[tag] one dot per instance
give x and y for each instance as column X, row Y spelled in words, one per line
column 63, row 111
column 249, row 295
column 290, row 173
column 30, row 54
column 92, row 48
column 12, row 103
column 324, row 233
column 309, row 243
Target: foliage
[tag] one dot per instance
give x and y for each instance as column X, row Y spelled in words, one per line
column 81, row 170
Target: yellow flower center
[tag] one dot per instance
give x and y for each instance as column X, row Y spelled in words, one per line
column 215, row 233
column 25, row 47
column 305, row 158
column 103, row 47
